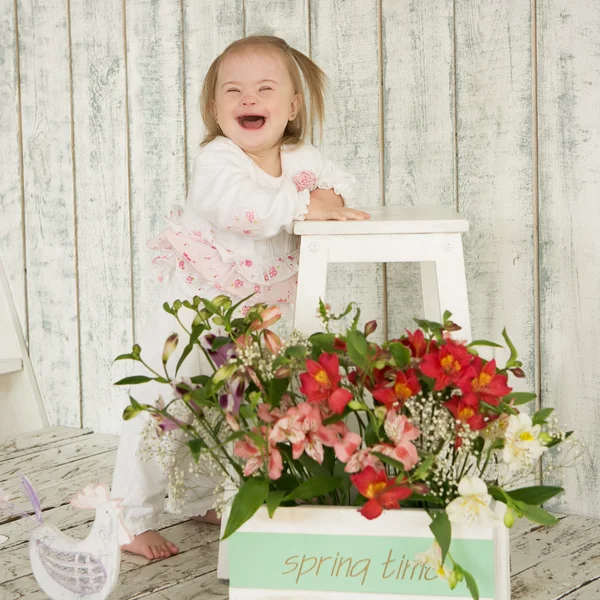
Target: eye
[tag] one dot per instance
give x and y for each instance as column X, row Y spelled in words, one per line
column 262, row 89
column 233, row 90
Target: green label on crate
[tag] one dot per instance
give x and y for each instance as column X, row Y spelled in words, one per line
column 351, row 563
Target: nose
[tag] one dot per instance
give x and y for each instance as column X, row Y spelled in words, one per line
column 248, row 100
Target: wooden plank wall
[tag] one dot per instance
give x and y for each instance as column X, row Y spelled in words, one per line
column 491, row 106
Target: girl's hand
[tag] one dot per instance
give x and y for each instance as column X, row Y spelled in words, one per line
column 317, row 213
column 327, row 196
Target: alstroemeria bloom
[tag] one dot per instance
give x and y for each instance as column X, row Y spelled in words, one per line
column 433, row 558
column 417, row 343
column 272, row 341
column 232, row 398
column 466, row 410
column 381, row 492
column 221, row 355
column 450, row 364
column 401, row 432
column 486, row 384
column 268, row 317
column 347, row 443
column 473, row 505
column 522, row 446
column 362, row 459
column 246, row 448
column 321, row 383
column 404, row 386
column 303, row 428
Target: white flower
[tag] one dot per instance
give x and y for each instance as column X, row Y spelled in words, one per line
column 522, row 446
column 433, row 558
column 473, row 505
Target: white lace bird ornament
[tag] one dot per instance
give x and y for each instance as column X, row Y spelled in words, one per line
column 71, row 569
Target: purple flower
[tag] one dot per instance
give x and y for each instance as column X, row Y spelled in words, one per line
column 221, row 355
column 231, row 400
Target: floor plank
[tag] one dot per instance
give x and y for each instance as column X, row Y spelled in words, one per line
column 205, row 587
column 29, row 443
column 73, row 449
column 588, row 591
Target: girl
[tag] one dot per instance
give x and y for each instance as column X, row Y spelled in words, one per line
column 254, row 177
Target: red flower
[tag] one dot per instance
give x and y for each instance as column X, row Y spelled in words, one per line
column 401, row 389
column 487, row 385
column 418, row 344
column 381, row 491
column 466, row 410
column 450, row 364
column 322, row 381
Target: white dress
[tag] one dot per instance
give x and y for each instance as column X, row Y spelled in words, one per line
column 234, row 236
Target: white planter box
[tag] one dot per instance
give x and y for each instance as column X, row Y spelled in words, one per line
column 333, row 553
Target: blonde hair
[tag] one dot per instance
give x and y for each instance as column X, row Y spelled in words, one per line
column 297, row 130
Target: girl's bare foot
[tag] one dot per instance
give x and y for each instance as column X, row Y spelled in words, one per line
column 210, row 517
column 152, row 545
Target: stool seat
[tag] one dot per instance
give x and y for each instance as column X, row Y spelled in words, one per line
column 425, row 218
column 428, row 234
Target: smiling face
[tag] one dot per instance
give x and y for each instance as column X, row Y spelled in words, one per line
column 254, row 99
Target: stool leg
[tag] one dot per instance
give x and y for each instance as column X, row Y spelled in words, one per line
column 452, row 281
column 312, row 280
column 429, row 289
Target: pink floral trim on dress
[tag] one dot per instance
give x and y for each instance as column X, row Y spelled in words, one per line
column 305, row 180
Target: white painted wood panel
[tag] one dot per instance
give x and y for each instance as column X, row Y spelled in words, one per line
column 102, row 201
column 345, row 44
column 156, row 134
column 494, row 146
column 569, row 187
column 208, row 28
column 44, row 58
column 418, row 128
column 12, row 249
column 287, row 19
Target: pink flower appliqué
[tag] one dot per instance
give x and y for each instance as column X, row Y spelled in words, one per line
column 250, row 217
column 237, row 284
column 305, row 180
column 247, row 263
column 273, row 272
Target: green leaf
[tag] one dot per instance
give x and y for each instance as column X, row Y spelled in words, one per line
column 512, row 361
column 541, row 416
column 357, row 347
column 210, row 306
column 196, row 445
column 323, row 341
column 250, row 497
column 133, row 380
column 124, row 357
column 537, row 494
column 295, row 352
column 519, row 398
column 442, row 531
column 219, row 342
column 184, row 355
column 274, row 499
column 390, row 461
column 536, row 513
column 277, row 388
column 130, row 412
column 423, row 469
column 317, row 486
column 400, row 353
column 446, row 316
column 312, row 465
column 471, row 584
column 484, row 343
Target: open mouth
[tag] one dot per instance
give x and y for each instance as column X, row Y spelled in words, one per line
column 251, row 121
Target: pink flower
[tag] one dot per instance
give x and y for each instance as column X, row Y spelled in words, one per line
column 273, row 341
column 348, row 441
column 362, row 459
column 257, row 288
column 401, row 432
column 246, row 232
column 189, row 279
column 246, row 448
column 303, row 428
column 265, row 414
column 305, row 180
column 247, row 263
column 268, row 317
column 181, row 265
column 238, row 283
column 250, row 217
column 272, row 272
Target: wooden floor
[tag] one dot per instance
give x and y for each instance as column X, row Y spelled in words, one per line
column 562, row 562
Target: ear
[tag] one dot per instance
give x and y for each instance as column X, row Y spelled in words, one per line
column 295, row 106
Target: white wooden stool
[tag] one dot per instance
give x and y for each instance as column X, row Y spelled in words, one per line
column 427, row 234
column 20, row 400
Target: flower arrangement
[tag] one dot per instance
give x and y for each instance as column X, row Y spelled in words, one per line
column 421, row 421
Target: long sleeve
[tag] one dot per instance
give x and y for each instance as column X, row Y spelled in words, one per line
column 332, row 177
column 223, row 193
